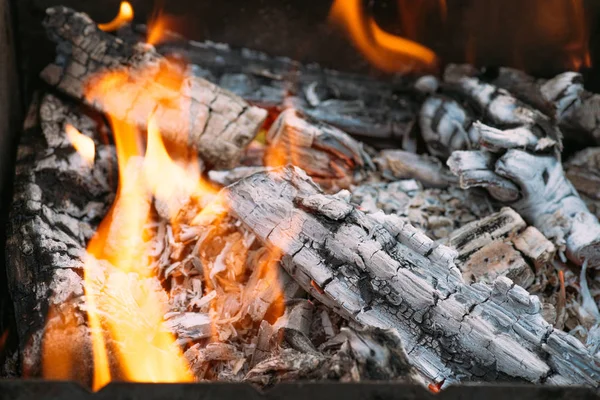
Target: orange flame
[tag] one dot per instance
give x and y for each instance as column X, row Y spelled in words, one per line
column 124, row 17
column 124, row 307
column 389, row 53
column 84, row 145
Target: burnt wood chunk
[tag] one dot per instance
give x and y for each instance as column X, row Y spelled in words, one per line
column 381, row 272
column 499, row 245
column 189, row 111
column 382, row 110
column 329, row 155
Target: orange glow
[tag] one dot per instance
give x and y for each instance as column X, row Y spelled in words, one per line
column 389, row 53
column 158, row 27
column 124, row 17
column 84, row 145
column 124, row 301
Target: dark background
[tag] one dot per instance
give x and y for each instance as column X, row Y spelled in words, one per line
column 530, row 34
column 540, row 36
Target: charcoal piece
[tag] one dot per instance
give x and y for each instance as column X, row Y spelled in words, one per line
column 451, row 331
column 188, row 110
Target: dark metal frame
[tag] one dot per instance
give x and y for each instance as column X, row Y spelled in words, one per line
column 43, row 390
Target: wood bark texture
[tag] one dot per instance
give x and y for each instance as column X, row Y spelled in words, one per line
column 371, row 108
column 381, row 272
column 189, row 111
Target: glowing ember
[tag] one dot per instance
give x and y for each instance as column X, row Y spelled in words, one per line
column 124, row 17
column 84, row 145
column 388, row 52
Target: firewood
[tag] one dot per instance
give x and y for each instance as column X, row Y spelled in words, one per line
column 327, row 154
column 381, row 272
column 380, row 110
column 399, row 164
column 545, row 198
column 191, row 111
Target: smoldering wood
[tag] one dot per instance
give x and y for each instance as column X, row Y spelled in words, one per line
column 563, row 97
column 582, row 171
column 326, row 153
column 382, row 272
column 47, row 230
column 546, row 199
column 193, row 111
column 446, row 126
column 357, row 104
column 399, row 164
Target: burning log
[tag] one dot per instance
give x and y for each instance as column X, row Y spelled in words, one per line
column 189, row 110
column 381, row 272
column 356, row 104
column 535, row 186
column 48, row 230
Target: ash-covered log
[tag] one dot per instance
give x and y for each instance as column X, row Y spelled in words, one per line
column 189, row 111
column 381, row 110
column 381, row 272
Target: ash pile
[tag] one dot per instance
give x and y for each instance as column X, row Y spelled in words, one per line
column 230, row 213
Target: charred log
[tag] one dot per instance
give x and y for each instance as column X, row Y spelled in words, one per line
column 189, row 110
column 380, row 272
column 359, row 105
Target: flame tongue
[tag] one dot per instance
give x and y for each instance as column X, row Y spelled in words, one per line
column 124, row 17
column 387, row 52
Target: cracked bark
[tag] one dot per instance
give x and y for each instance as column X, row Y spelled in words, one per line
column 380, row 110
column 47, row 230
column 381, row 272
column 189, row 110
